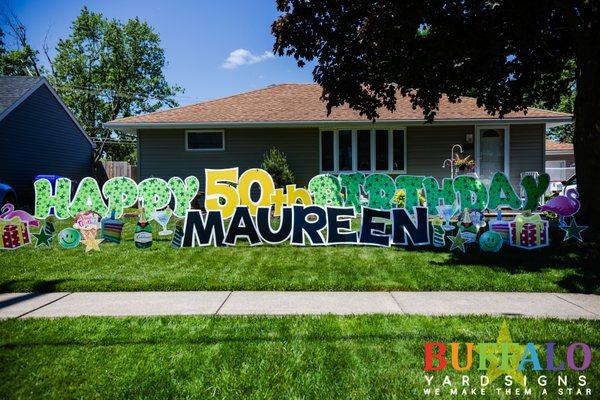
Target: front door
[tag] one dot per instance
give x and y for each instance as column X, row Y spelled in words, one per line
column 491, row 152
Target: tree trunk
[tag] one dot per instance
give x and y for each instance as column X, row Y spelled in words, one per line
column 586, row 137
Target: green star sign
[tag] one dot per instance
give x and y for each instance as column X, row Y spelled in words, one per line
column 573, row 230
column 458, row 242
column 42, row 238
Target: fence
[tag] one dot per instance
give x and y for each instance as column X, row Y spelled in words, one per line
column 559, row 174
column 119, row 168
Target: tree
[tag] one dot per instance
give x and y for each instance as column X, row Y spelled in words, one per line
column 565, row 104
column 275, row 163
column 511, row 54
column 107, row 69
column 21, row 60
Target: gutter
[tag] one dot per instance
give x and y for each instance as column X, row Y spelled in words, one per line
column 325, row 123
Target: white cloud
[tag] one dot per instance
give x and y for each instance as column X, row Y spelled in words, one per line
column 241, row 57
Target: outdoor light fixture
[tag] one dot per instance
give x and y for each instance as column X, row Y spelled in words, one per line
column 469, row 138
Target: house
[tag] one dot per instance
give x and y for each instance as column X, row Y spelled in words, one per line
column 236, row 131
column 38, row 136
column 560, row 160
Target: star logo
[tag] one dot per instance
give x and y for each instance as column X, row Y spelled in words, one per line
column 573, row 230
column 503, row 357
column 92, row 244
column 458, row 242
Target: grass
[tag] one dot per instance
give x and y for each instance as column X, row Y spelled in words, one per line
column 561, row 268
column 359, row 357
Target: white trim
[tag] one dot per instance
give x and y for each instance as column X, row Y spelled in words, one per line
column 373, row 150
column 221, row 131
column 373, row 154
column 506, row 136
column 44, row 82
column 560, row 152
column 333, row 123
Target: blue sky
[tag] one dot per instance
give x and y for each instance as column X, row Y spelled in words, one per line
column 198, row 38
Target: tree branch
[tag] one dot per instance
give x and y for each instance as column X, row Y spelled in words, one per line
column 46, row 49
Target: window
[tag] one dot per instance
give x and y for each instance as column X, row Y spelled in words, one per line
column 366, row 150
column 363, row 150
column 205, row 140
column 398, row 152
column 345, row 150
column 327, row 151
column 381, row 150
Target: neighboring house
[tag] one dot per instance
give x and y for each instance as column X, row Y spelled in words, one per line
column 38, row 136
column 236, row 131
column 560, row 160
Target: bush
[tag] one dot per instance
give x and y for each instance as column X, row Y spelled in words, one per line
column 275, row 163
column 400, row 198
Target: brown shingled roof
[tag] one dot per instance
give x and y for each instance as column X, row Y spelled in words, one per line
column 301, row 103
column 552, row 145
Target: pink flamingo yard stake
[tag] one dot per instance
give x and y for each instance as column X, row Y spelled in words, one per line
column 8, row 213
column 563, row 206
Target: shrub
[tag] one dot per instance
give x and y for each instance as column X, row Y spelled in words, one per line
column 275, row 163
column 400, row 198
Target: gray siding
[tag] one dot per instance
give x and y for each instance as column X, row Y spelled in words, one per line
column 568, row 158
column 162, row 152
column 38, row 137
column 428, row 146
column 526, row 150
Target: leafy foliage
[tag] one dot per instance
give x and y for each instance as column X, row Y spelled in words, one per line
column 365, row 51
column 400, row 198
column 17, row 61
column 565, row 104
column 275, row 163
column 107, row 69
column 510, row 55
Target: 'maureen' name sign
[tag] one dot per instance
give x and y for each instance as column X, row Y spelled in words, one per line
column 308, row 224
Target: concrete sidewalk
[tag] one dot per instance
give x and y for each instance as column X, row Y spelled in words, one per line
column 557, row 305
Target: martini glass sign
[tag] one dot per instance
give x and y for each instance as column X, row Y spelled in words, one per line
column 162, row 217
column 446, row 212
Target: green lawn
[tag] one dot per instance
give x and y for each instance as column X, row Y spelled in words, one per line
column 259, row 357
column 561, row 268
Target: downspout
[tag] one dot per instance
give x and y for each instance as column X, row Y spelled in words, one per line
column 139, row 156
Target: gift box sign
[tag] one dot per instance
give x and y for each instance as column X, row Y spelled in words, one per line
column 529, row 232
column 15, row 233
